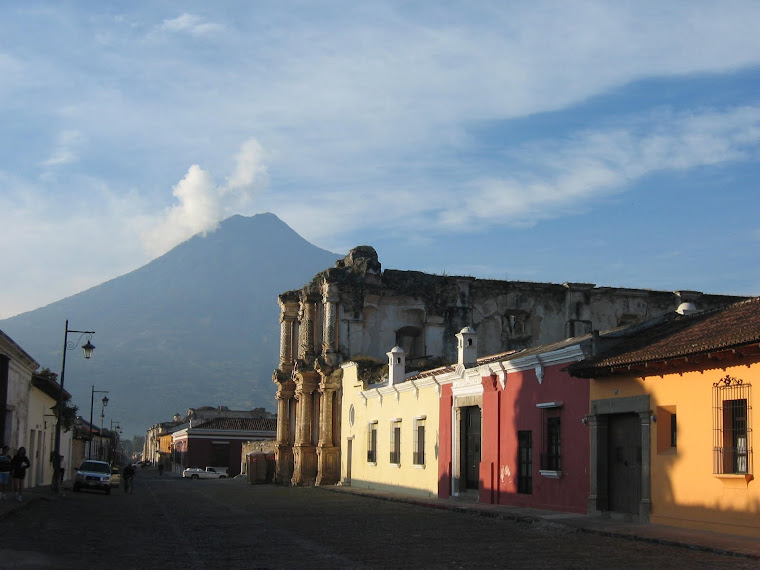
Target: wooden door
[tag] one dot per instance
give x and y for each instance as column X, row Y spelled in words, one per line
column 624, row 455
column 471, row 451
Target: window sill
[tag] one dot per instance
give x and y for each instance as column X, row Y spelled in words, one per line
column 746, row 476
column 396, row 465
column 419, row 465
column 372, row 463
column 550, row 474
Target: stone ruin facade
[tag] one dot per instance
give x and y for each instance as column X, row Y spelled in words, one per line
column 356, row 309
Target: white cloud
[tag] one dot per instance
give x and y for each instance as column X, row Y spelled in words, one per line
column 202, row 204
column 567, row 176
column 66, row 150
column 191, row 24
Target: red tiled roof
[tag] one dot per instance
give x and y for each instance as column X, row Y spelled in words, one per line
column 237, row 424
column 680, row 336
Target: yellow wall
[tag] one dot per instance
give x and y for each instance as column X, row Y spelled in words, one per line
column 684, row 490
column 407, row 401
column 165, row 443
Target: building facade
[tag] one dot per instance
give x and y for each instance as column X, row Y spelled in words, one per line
column 218, row 442
column 511, row 429
column 27, row 402
column 355, row 308
column 671, row 422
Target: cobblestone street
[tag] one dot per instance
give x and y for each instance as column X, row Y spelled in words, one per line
column 174, row 523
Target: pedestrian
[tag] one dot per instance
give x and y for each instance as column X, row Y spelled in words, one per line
column 160, row 468
column 19, row 465
column 128, row 474
column 62, row 468
column 5, row 471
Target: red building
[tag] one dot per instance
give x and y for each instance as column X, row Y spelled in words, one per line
column 218, row 442
column 512, row 429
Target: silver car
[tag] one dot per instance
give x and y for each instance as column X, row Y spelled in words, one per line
column 93, row 475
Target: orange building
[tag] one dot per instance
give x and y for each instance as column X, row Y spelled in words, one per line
column 671, row 420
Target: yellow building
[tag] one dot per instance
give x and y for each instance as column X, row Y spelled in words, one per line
column 390, row 429
column 680, row 390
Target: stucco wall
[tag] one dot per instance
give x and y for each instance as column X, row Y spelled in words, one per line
column 405, row 401
column 684, row 490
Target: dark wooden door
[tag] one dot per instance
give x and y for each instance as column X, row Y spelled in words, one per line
column 471, row 451
column 624, row 463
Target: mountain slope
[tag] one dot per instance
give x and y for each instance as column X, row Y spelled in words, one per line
column 197, row 326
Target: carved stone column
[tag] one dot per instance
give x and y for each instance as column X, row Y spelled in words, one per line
column 307, row 314
column 288, row 316
column 283, row 450
column 330, row 300
column 328, row 454
column 304, row 451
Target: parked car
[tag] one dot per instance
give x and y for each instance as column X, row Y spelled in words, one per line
column 115, row 476
column 207, row 473
column 93, row 475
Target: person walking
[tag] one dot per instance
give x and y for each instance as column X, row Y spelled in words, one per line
column 128, row 474
column 5, row 471
column 19, row 465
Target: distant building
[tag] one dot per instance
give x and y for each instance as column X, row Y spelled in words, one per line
column 355, row 309
column 218, row 442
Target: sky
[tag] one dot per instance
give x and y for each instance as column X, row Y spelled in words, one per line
column 615, row 143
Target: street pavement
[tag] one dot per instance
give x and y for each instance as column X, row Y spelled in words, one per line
column 600, row 525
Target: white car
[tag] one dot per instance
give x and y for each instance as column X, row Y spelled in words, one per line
column 93, row 475
column 207, row 473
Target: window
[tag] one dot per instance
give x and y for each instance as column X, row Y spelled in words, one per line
column 395, row 442
column 419, row 441
column 552, row 458
column 372, row 442
column 525, row 462
column 673, row 431
column 732, row 442
column 551, row 441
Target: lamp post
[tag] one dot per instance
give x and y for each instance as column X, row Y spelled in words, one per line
column 102, row 415
column 87, row 349
column 92, row 402
column 115, row 444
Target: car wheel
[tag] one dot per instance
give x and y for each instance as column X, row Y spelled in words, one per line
column 193, row 477
column 222, row 476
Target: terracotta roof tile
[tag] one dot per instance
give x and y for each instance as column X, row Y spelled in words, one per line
column 679, row 336
column 254, row 424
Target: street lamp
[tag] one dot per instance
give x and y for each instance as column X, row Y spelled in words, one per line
column 87, row 350
column 102, row 415
column 92, row 402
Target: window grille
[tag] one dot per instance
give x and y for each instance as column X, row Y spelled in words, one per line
column 525, row 462
column 372, row 443
column 395, row 442
column 419, row 442
column 732, row 427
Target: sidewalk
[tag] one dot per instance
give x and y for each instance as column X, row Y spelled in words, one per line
column 43, row 493
column 601, row 525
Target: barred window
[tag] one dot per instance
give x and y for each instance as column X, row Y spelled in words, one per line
column 372, row 442
column 395, row 442
column 419, row 441
column 551, row 448
column 732, row 427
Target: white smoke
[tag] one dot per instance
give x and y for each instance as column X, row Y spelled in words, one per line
column 202, row 204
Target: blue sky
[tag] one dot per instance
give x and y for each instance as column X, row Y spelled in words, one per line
column 616, row 143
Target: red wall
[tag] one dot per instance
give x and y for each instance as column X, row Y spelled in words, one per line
column 507, row 411
column 200, row 454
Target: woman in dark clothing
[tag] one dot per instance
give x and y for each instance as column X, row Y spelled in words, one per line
column 19, row 465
